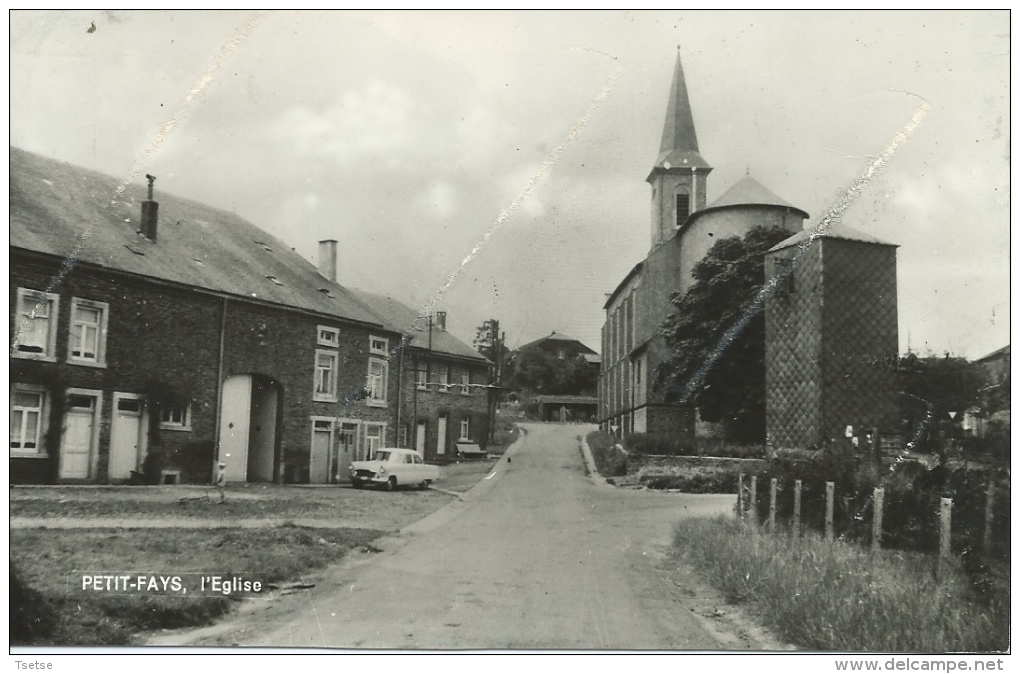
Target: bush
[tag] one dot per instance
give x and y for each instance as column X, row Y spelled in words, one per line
column 609, row 460
column 32, row 617
column 665, row 444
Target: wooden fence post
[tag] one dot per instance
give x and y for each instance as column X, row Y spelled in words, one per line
column 772, row 505
column 830, row 498
column 796, row 508
column 754, row 500
column 989, row 516
column 740, row 495
column 876, row 521
column 945, row 532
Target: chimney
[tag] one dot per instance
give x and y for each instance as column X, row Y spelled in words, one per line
column 441, row 320
column 327, row 259
column 150, row 212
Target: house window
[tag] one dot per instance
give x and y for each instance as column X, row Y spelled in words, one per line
column 374, row 434
column 378, row 370
column 328, row 336
column 465, row 429
column 36, row 328
column 379, row 346
column 561, row 353
column 465, row 383
column 175, row 417
column 87, row 344
column 683, row 208
column 443, row 378
column 28, row 405
column 421, row 376
column 325, row 375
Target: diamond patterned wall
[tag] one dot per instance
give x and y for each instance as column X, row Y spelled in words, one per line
column 831, row 342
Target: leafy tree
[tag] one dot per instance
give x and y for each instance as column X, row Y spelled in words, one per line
column 939, row 385
column 715, row 337
column 489, row 344
column 539, row 371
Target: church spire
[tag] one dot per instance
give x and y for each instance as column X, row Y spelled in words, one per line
column 679, row 175
column 679, row 146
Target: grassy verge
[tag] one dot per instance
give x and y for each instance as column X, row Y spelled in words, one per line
column 609, row 461
column 48, row 615
column 460, row 477
column 827, row 596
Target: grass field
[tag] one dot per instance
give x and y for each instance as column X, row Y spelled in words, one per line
column 45, row 559
column 829, row 595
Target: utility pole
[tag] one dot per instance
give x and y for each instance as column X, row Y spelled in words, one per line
column 494, row 390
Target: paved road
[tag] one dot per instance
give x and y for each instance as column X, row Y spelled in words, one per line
column 537, row 556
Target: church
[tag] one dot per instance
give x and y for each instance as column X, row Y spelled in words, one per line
column 684, row 226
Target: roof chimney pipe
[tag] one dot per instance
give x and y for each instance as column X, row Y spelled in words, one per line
column 150, row 213
column 327, row 259
column 441, row 320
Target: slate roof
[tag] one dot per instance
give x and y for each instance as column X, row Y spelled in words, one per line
column 401, row 318
column 555, row 337
column 833, row 231
column 749, row 192
column 75, row 213
column 679, row 146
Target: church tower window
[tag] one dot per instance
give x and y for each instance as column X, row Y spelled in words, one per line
column 683, row 208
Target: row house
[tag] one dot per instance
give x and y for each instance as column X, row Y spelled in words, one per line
column 151, row 340
column 442, row 403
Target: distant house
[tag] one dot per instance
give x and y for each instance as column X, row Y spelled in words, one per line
column 567, row 408
column 564, row 347
column 581, row 364
column 996, row 370
column 151, row 340
column 441, row 396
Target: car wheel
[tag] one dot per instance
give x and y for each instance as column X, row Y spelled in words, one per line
column 391, row 484
column 357, row 484
column 424, row 485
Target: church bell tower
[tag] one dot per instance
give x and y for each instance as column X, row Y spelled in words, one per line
column 680, row 173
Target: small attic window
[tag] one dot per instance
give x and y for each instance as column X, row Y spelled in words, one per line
column 263, row 245
column 134, row 250
column 198, row 261
column 325, row 291
column 274, row 279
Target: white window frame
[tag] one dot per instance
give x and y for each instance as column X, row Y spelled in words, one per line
column 183, row 425
column 99, row 360
column 465, row 383
column 28, row 301
column 379, row 346
column 330, row 395
column 377, row 392
column 327, row 336
column 465, row 428
column 421, row 368
column 367, row 438
column 39, row 451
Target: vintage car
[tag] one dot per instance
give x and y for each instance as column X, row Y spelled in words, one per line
column 392, row 467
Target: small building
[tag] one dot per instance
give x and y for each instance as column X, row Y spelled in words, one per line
column 567, row 408
column 150, row 340
column 442, row 383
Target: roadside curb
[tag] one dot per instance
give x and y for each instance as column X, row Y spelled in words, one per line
column 589, row 463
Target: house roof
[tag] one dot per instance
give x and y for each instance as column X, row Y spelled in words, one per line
column 556, row 337
column 401, row 318
column 994, row 355
column 749, row 192
column 77, row 214
column 833, row 231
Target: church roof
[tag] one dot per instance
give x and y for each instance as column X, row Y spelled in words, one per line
column 833, row 231
column 679, row 146
column 749, row 192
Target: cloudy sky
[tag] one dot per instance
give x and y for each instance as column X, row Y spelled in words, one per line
column 411, row 138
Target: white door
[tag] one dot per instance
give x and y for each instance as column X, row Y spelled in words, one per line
column 441, row 433
column 77, row 444
column 322, row 438
column 234, row 423
column 419, row 438
column 127, row 435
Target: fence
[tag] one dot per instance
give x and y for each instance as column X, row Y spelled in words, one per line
column 964, row 512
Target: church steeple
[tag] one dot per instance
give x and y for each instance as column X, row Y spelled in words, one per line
column 678, row 176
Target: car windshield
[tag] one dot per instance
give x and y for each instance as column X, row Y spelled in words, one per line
column 381, row 455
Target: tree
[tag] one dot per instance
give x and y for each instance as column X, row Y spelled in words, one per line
column 539, row 371
column 715, row 337
column 488, row 343
column 936, row 386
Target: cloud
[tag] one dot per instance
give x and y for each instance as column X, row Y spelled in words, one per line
column 438, row 198
column 371, row 124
